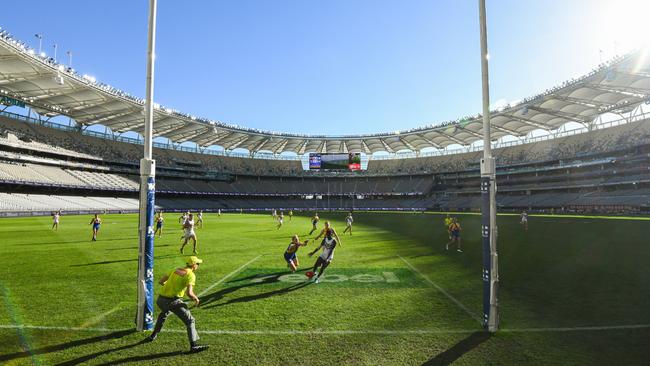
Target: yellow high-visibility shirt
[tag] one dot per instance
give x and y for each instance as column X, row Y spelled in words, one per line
column 447, row 221
column 177, row 284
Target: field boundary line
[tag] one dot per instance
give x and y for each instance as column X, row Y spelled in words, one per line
column 341, row 331
column 229, row 275
column 442, row 290
column 574, row 329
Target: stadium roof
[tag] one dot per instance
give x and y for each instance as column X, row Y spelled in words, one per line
column 51, row 89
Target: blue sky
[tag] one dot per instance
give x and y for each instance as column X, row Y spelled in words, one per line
column 335, row 66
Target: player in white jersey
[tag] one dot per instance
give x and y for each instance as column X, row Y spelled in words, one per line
column 330, row 241
column 188, row 226
column 274, row 214
column 199, row 217
column 280, row 220
column 524, row 220
column 348, row 223
column 56, row 216
column 219, row 212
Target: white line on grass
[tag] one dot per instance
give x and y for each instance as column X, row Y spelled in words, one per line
column 449, row 296
column 341, row 331
column 100, row 317
column 229, row 275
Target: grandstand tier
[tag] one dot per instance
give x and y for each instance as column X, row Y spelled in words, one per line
column 44, row 168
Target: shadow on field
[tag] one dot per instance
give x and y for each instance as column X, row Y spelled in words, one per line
column 263, row 279
column 64, row 346
column 125, row 248
column 459, row 349
column 143, row 358
column 264, row 295
column 77, row 241
column 120, row 261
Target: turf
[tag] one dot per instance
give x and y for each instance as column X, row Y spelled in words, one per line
column 378, row 307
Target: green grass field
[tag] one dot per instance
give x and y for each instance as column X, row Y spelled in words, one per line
column 573, row 291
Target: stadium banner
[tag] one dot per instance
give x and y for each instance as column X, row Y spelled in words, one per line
column 11, row 101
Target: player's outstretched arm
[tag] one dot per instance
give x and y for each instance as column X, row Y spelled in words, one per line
column 191, row 295
column 335, row 235
column 163, row 280
column 315, row 250
column 319, row 235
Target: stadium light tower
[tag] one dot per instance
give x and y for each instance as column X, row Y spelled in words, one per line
column 144, row 315
column 488, row 194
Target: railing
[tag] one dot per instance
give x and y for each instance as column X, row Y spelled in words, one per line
column 365, row 158
column 130, row 140
column 528, row 140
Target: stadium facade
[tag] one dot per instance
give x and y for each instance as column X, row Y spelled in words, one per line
column 601, row 166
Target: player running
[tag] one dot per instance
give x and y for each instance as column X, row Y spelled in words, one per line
column 96, row 222
column 56, row 216
column 314, row 223
column 199, row 217
column 290, row 253
column 219, row 212
column 170, row 300
column 188, row 226
column 159, row 224
column 280, row 220
column 330, row 241
column 524, row 220
column 274, row 215
column 183, row 217
column 448, row 222
column 348, row 223
column 454, row 233
column 290, row 214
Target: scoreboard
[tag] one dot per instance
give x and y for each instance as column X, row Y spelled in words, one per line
column 335, row 161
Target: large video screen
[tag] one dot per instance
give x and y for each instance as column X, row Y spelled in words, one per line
column 351, row 161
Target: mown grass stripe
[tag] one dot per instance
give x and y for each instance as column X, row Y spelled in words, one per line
column 229, row 275
column 447, row 294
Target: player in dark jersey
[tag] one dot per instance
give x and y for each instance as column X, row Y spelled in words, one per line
column 314, row 223
column 96, row 222
column 160, row 221
column 454, row 233
column 290, row 253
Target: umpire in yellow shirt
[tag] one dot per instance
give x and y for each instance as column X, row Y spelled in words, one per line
column 170, row 300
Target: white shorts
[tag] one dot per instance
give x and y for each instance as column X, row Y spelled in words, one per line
column 189, row 234
column 280, row 221
column 524, row 221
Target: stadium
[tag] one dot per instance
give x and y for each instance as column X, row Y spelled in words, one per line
column 572, row 161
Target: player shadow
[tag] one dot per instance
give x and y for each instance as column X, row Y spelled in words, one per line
column 125, row 248
column 120, row 261
column 264, row 295
column 64, row 346
column 257, row 275
column 144, row 358
column 263, row 280
column 459, row 349
column 76, row 241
